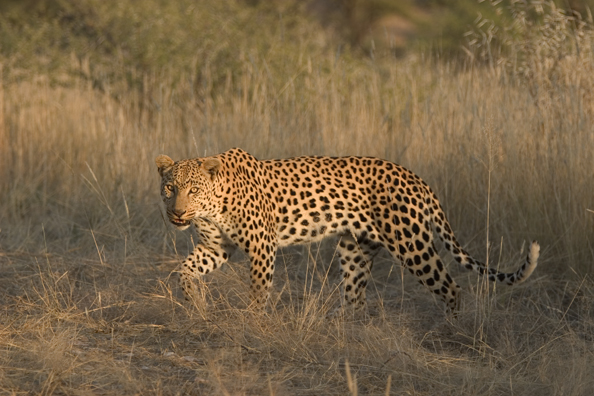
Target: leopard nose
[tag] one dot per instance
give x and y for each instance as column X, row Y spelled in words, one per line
column 178, row 212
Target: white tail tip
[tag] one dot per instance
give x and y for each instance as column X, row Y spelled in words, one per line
column 531, row 260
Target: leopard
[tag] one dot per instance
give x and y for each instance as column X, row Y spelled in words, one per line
column 233, row 200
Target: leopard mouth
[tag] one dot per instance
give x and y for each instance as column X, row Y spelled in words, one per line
column 180, row 222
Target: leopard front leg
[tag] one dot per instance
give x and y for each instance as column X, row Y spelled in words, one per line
column 261, row 271
column 200, row 262
column 207, row 256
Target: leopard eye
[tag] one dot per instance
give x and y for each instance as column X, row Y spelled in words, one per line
column 194, row 190
column 169, row 187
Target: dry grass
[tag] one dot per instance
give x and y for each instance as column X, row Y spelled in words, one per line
column 87, row 305
column 72, row 327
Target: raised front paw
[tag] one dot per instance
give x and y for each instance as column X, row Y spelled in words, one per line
column 193, row 293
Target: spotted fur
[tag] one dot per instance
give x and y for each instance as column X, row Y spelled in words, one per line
column 234, row 199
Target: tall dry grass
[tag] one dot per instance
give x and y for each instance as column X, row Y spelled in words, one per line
column 87, row 158
column 87, row 304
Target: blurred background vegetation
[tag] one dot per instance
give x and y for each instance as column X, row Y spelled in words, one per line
column 120, row 41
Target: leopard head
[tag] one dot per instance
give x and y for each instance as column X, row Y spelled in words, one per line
column 187, row 188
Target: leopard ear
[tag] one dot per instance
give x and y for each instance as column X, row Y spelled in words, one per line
column 164, row 163
column 211, row 167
